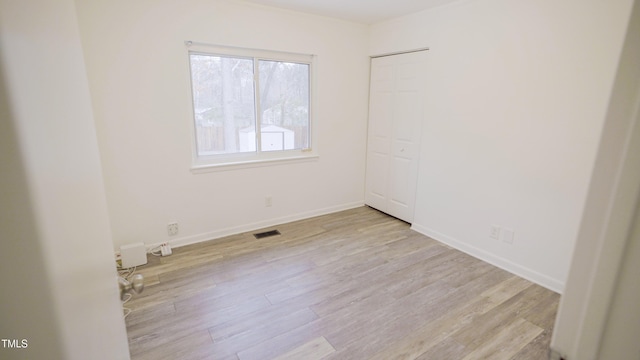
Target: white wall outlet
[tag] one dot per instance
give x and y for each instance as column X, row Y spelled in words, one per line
column 268, row 201
column 507, row 236
column 172, row 228
column 494, row 232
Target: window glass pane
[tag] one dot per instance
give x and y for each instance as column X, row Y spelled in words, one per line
column 284, row 105
column 223, row 104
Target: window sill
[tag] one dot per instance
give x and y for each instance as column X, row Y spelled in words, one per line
column 206, row 168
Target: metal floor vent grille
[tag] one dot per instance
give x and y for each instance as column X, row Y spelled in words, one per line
column 266, row 234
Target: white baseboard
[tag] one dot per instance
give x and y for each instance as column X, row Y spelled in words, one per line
column 194, row 239
column 519, row 270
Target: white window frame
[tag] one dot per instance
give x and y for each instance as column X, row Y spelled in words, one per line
column 219, row 162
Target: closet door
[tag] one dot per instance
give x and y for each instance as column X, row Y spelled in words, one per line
column 395, row 117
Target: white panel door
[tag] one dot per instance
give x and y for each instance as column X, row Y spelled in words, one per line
column 395, row 116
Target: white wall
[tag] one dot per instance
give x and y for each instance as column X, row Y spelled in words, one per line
column 516, row 96
column 139, row 79
column 57, row 272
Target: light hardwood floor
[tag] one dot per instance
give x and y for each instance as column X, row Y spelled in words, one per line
column 357, row 284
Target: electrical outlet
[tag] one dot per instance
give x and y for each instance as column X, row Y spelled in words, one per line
column 507, row 236
column 494, row 232
column 172, row 229
column 268, row 201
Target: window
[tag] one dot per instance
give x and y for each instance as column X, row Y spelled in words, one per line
column 250, row 106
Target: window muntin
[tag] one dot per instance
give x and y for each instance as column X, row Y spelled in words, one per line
column 228, row 112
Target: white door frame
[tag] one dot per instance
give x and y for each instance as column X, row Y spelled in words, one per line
column 583, row 321
column 393, row 147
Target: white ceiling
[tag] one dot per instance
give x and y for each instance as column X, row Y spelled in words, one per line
column 362, row 11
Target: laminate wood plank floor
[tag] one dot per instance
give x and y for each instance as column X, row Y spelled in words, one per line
column 356, row 284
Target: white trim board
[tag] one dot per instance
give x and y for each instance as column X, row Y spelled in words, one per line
column 504, row 264
column 213, row 235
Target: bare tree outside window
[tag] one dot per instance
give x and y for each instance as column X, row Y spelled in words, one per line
column 284, row 102
column 226, row 103
column 223, row 102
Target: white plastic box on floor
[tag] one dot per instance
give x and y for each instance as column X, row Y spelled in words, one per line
column 133, row 255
